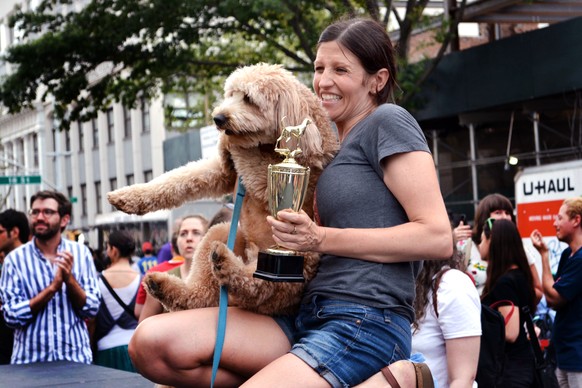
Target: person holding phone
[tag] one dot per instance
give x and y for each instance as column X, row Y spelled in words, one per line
column 48, row 288
column 467, row 239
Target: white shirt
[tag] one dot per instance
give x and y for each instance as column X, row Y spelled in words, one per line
column 117, row 336
column 459, row 310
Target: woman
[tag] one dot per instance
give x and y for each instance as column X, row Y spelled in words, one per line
column 190, row 232
column 447, row 332
column 509, row 278
column 494, row 206
column 114, row 325
column 375, row 202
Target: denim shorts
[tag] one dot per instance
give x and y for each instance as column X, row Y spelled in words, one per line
column 346, row 342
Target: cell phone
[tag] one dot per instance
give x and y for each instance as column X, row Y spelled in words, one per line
column 457, row 218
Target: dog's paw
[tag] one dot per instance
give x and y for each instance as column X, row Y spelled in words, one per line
column 153, row 282
column 221, row 260
column 130, row 199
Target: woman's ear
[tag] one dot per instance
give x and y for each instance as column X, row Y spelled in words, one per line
column 379, row 80
column 113, row 251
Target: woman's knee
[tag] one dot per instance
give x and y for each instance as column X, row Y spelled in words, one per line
column 144, row 343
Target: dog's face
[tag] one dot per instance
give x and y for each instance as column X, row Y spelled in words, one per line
column 246, row 118
column 255, row 99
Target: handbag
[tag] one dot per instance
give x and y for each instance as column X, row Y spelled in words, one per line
column 545, row 375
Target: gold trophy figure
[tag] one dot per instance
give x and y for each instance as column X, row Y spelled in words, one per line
column 287, row 185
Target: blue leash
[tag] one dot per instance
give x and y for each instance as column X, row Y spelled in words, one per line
column 223, row 302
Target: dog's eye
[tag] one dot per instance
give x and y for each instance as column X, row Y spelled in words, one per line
column 247, row 99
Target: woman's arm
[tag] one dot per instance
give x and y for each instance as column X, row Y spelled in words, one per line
column 462, row 360
column 536, row 282
column 151, row 307
column 512, row 326
column 412, row 179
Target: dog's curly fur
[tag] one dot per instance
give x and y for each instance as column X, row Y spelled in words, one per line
column 256, row 98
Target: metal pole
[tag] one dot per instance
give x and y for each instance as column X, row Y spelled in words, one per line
column 536, row 128
column 473, row 165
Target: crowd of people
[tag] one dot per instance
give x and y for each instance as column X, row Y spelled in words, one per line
column 56, row 305
column 397, row 298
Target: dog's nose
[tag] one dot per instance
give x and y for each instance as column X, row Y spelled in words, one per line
column 219, row 120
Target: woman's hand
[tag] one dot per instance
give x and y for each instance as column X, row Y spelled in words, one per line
column 296, row 231
column 461, row 232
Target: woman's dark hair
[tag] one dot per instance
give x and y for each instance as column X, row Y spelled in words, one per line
column 368, row 40
column 487, row 205
column 426, row 280
column 123, row 241
column 505, row 251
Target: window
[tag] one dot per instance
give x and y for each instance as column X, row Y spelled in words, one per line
column 71, row 198
column 126, row 123
column 84, row 199
column 110, row 126
column 81, row 136
column 54, row 139
column 35, row 149
column 112, row 186
column 148, row 175
column 98, row 196
column 130, row 179
column 20, row 151
column 95, row 131
column 67, row 140
column 145, row 116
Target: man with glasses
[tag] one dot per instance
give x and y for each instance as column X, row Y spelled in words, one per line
column 14, row 231
column 48, row 288
column 564, row 291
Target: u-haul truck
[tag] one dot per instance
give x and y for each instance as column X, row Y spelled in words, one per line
column 539, row 193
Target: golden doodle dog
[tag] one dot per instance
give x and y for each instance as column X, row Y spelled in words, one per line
column 256, row 99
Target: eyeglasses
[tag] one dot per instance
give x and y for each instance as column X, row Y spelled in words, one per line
column 45, row 212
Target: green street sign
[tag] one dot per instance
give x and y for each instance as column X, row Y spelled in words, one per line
column 20, row 180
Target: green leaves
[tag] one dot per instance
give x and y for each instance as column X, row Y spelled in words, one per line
column 126, row 50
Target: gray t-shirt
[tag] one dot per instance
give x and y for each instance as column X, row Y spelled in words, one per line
column 351, row 194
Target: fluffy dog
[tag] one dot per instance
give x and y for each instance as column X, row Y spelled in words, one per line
column 256, row 99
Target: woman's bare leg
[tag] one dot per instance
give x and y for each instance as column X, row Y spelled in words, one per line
column 176, row 348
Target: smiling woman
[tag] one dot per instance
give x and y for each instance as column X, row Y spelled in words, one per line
column 367, row 224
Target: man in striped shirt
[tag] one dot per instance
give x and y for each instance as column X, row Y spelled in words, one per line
column 48, row 288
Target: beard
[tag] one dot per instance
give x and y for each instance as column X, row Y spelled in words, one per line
column 49, row 232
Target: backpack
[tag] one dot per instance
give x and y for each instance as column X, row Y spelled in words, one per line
column 492, row 351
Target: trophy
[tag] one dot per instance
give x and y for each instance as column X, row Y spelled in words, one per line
column 286, row 188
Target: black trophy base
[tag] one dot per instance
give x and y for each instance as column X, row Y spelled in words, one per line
column 279, row 267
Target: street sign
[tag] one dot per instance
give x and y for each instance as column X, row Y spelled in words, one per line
column 20, row 180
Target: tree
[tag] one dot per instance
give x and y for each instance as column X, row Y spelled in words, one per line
column 128, row 50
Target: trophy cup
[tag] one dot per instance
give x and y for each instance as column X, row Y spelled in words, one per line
column 286, row 187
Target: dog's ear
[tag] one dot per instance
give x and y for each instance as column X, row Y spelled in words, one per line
column 311, row 141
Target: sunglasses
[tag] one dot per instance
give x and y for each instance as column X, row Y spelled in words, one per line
column 489, row 222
